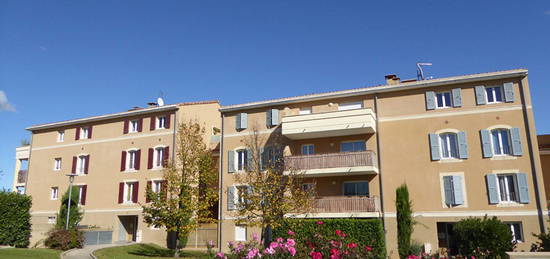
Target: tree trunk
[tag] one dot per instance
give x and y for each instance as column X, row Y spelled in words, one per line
column 177, row 250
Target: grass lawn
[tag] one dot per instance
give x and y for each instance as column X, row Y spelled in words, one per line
column 149, row 251
column 42, row 253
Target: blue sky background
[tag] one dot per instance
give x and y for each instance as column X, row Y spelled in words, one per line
column 67, row 59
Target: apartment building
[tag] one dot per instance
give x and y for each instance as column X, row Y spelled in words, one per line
column 115, row 157
column 544, row 150
column 466, row 147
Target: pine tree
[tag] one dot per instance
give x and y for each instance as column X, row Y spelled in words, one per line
column 75, row 216
column 404, row 220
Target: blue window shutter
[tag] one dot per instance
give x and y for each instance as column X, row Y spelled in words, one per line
column 462, row 145
column 523, row 187
column 430, row 100
column 231, row 198
column 492, row 188
column 457, row 97
column 244, row 120
column 457, row 190
column 230, row 161
column 448, row 188
column 486, row 143
column 516, row 142
column 508, row 92
column 480, row 95
column 434, row 147
column 275, row 117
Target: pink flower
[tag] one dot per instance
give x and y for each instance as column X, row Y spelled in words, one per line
column 221, row 255
column 320, row 222
column 340, row 233
column 269, row 250
column 315, row 255
column 279, row 240
column 255, row 236
column 290, row 233
column 335, row 243
column 292, row 251
column 352, row 245
column 273, row 245
column 290, row 242
column 368, row 248
column 253, row 253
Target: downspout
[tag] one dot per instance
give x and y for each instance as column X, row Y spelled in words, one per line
column 540, row 213
column 28, row 165
column 174, row 136
column 379, row 161
column 220, row 188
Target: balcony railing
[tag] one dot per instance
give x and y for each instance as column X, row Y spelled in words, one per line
column 345, row 204
column 332, row 160
column 22, row 176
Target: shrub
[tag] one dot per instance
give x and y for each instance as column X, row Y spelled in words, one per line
column 363, row 232
column 404, row 220
column 15, row 219
column 487, row 237
column 62, row 239
column 75, row 216
column 252, row 249
column 543, row 243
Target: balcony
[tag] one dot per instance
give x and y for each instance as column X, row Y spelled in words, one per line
column 346, row 204
column 334, row 164
column 329, row 124
column 22, row 176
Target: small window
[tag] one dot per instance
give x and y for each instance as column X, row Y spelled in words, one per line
column 52, row 219
column 84, row 131
column 356, row 189
column 61, row 136
column 516, row 229
column 81, row 164
column 242, row 158
column 129, row 192
column 501, row 141
column 353, row 146
column 131, row 159
column 449, row 145
column 240, row 233
column 159, row 157
column 54, row 193
column 161, row 122
column 306, row 110
column 134, row 126
column 57, row 164
column 80, row 194
column 507, row 188
column 156, row 186
column 350, row 106
column 308, row 149
column 494, row 94
column 20, row 189
column 443, row 100
column 239, row 197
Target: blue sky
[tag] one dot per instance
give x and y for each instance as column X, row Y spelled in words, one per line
column 67, row 59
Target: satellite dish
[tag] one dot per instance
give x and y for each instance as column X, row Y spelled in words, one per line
column 160, row 101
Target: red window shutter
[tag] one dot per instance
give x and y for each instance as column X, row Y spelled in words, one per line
column 87, row 165
column 83, row 198
column 123, row 161
column 150, row 158
column 140, row 124
column 77, row 134
column 138, row 159
column 126, row 126
column 167, row 121
column 90, row 132
column 166, row 156
column 73, row 170
column 135, row 193
column 149, row 188
column 153, row 120
column 120, row 192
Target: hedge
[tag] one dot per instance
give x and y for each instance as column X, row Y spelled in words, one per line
column 15, row 219
column 365, row 232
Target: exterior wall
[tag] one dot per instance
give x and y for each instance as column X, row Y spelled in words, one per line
column 21, row 153
column 544, row 147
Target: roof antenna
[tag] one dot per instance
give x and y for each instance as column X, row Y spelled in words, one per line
column 420, row 72
column 160, row 100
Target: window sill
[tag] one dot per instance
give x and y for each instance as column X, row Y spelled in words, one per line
column 506, row 204
column 461, row 206
column 156, row 168
column 450, row 160
column 503, row 157
column 130, row 171
column 126, row 203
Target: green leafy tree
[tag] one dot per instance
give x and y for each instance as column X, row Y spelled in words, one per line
column 75, row 216
column 15, row 219
column 543, row 243
column 190, row 193
column 483, row 237
column 405, row 222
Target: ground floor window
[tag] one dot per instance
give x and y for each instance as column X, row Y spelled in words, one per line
column 516, row 229
column 240, row 233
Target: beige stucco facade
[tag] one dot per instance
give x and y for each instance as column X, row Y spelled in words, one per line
column 544, row 149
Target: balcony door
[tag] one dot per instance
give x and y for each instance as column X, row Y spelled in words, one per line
column 353, row 146
column 359, row 188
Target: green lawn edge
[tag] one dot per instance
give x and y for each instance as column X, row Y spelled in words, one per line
column 24, row 253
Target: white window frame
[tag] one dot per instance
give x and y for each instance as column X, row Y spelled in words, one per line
column 350, row 106
column 52, row 220
column 448, row 145
column 128, row 192
column 520, row 225
column 60, row 136
column 133, row 126
column 84, row 132
column 244, row 159
column 57, row 163
column 493, row 93
column 157, row 159
column 310, row 147
column 304, row 111
column 240, row 233
column 515, row 185
column 131, row 167
column 445, row 105
column 81, row 164
column 54, row 193
column 80, row 189
column 156, row 186
column 237, row 198
column 161, row 120
column 20, row 189
column 500, row 142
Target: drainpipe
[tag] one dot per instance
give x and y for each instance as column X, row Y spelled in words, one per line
column 28, row 165
column 220, row 187
column 379, row 161
column 532, row 159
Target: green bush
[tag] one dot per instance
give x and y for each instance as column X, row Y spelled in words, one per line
column 75, row 216
column 365, row 232
column 62, row 239
column 486, row 237
column 15, row 219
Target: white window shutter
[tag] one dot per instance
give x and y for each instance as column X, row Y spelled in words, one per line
column 523, row 187
column 508, row 92
column 480, row 95
column 434, row 147
column 430, row 100
column 457, row 190
column 457, row 97
column 516, row 142
column 486, row 143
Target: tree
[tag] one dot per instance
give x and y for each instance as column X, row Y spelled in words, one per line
column 189, row 190
column 404, row 220
column 75, row 216
column 272, row 190
column 483, row 238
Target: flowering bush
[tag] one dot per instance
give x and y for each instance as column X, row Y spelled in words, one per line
column 279, row 249
column 339, row 247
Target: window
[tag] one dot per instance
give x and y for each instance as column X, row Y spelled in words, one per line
column 156, row 186
column 240, row 233
column 159, row 157
column 350, row 106
column 129, row 189
column 131, row 160
column 453, row 190
column 81, row 164
column 242, row 158
column 60, row 136
column 443, row 100
column 353, row 146
column 57, row 164
column 448, row 144
column 239, row 197
column 494, row 94
column 134, row 126
column 356, row 189
column 516, row 229
column 81, row 194
column 507, row 187
column 308, row 187
column 51, row 219
column 306, row 110
column 84, row 131
column 20, row 189
column 308, row 149
column 54, row 193
column 161, row 122
column 501, row 141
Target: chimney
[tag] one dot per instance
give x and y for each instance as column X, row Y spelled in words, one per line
column 392, row 79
